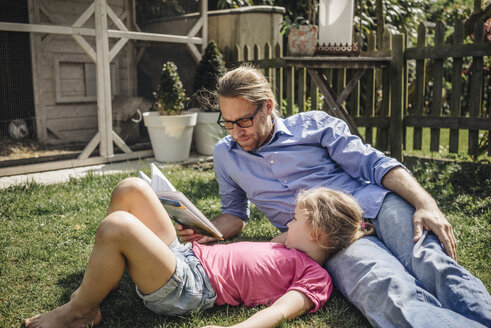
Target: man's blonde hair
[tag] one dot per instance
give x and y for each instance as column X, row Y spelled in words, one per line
column 335, row 218
column 246, row 82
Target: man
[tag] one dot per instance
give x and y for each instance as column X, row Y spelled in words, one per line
column 399, row 278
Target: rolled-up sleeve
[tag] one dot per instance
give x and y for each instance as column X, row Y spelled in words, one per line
column 359, row 160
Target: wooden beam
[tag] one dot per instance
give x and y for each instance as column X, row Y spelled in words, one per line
column 91, row 146
column 444, row 51
column 104, row 109
column 67, row 30
column 40, row 28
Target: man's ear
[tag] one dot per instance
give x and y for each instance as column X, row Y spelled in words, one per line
column 269, row 106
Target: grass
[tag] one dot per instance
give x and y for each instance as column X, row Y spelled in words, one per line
column 47, row 232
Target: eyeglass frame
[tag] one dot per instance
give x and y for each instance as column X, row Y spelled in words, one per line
column 251, row 118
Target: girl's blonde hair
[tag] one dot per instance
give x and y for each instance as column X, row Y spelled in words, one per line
column 335, row 218
column 246, row 82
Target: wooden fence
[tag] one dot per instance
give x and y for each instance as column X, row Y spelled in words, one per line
column 377, row 102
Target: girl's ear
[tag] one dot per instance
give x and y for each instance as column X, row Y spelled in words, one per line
column 314, row 236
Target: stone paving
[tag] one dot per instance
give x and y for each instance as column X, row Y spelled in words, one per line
column 63, row 175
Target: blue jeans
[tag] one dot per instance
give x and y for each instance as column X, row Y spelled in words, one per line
column 397, row 283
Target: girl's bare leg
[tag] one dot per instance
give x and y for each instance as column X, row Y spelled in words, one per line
column 135, row 196
column 121, row 236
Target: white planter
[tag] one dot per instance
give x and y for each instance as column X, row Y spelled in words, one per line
column 170, row 135
column 207, row 132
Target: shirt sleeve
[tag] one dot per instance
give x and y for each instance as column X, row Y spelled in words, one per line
column 359, row 160
column 316, row 284
column 233, row 199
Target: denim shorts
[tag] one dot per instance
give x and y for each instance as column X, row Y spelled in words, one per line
column 187, row 290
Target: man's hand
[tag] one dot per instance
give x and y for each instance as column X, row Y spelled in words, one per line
column 188, row 236
column 433, row 220
column 427, row 215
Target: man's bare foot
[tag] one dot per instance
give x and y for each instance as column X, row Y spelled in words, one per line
column 65, row 316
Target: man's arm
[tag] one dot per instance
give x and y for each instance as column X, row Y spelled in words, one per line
column 427, row 215
column 287, row 307
column 228, row 224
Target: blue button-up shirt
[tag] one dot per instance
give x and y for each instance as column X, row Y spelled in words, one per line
column 307, row 150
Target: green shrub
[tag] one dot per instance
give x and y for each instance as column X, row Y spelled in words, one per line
column 170, row 96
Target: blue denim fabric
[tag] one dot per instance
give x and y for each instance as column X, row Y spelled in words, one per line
column 397, row 283
column 188, row 289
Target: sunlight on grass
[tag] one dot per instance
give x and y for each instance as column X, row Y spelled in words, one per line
column 47, row 233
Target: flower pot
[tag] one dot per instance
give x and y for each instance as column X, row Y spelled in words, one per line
column 170, row 135
column 207, row 132
column 302, row 41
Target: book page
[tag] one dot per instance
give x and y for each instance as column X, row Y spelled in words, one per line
column 183, row 211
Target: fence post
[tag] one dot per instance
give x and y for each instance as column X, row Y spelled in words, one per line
column 475, row 94
column 455, row 103
column 278, row 53
column 302, row 86
column 370, row 90
column 290, row 89
column 419, row 93
column 382, row 133
column 397, row 97
column 437, row 99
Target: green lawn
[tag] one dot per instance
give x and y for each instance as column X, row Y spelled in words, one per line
column 46, row 235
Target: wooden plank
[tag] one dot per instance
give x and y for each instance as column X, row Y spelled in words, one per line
column 103, row 79
column 314, row 95
column 337, row 62
column 370, row 84
column 471, row 123
column 302, row 87
column 475, row 94
column 419, row 87
column 290, row 90
column 437, row 101
column 73, row 123
column 91, row 146
column 351, row 85
column 278, row 72
column 445, row 51
column 71, row 110
column 382, row 142
column 337, row 109
column 455, row 103
column 372, row 122
column 397, row 97
column 36, row 53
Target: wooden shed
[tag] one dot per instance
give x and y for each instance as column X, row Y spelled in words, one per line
column 83, row 59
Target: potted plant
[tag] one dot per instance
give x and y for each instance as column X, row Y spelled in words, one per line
column 301, row 34
column 209, row 69
column 169, row 127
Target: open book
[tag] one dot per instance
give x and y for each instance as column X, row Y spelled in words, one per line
column 178, row 206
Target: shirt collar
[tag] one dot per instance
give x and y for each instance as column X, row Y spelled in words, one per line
column 279, row 129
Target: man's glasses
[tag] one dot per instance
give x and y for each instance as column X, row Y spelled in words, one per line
column 245, row 122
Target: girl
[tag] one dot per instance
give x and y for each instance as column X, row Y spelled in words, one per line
column 173, row 279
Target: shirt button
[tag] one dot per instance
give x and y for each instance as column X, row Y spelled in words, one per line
column 286, row 181
column 272, row 162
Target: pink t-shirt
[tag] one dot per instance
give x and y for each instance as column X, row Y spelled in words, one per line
column 253, row 273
